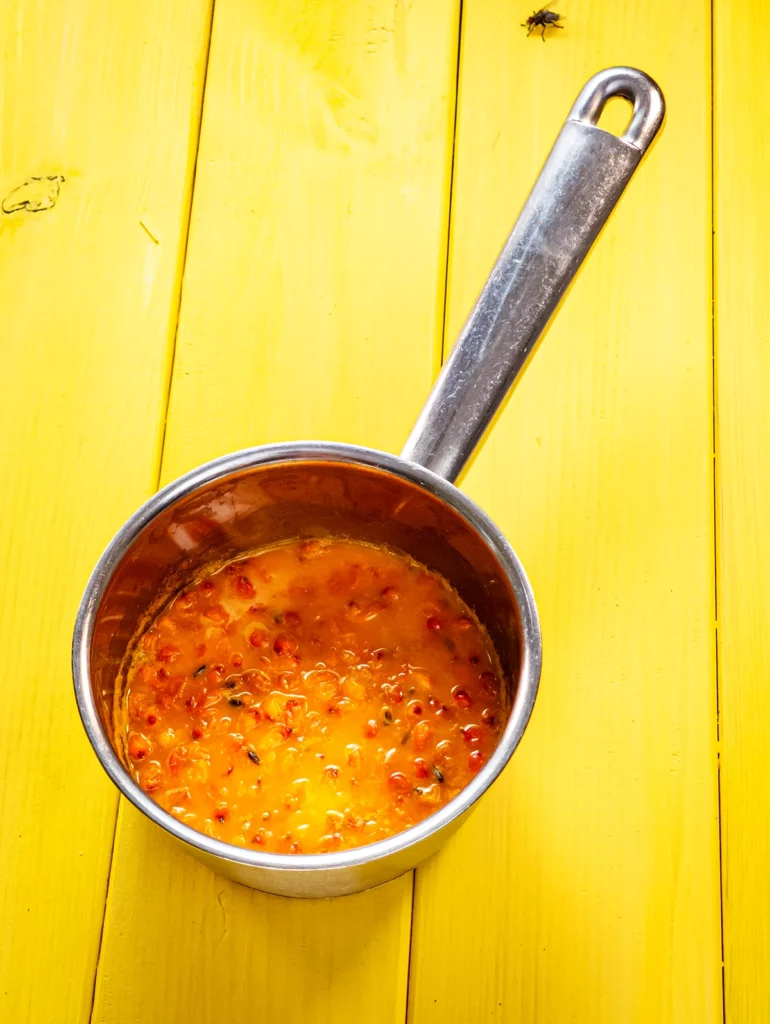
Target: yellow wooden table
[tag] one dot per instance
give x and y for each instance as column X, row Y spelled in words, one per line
column 264, row 220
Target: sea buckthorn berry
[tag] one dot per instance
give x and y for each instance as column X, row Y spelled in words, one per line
column 149, row 641
column 464, row 623
column 433, row 624
column 178, row 758
column 475, row 760
column 283, row 645
column 390, row 594
column 471, row 734
column 421, row 734
column 221, row 814
column 444, row 753
column 138, row 746
column 399, row 782
column 331, row 771
column 244, row 587
column 416, row 707
column 151, row 777
column 151, row 719
column 421, row 681
column 309, row 549
column 236, row 660
column 168, row 653
column 429, row 795
column 166, row 738
column 371, row 728
column 216, row 613
column 489, row 718
column 330, row 842
column 257, row 638
column 328, row 687
column 292, row 620
column 137, row 704
column 273, row 706
column 207, row 587
column 421, row 769
column 393, row 692
column 462, row 698
column 334, row 821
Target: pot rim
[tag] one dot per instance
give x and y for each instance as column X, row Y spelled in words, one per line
column 308, row 451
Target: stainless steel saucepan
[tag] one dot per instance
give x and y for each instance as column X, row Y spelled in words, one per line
column 263, row 495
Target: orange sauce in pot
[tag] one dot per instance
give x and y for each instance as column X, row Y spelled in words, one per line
column 316, row 696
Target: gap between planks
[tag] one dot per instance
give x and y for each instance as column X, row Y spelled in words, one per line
column 715, row 477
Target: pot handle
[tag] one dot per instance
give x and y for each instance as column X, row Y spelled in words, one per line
column 579, row 185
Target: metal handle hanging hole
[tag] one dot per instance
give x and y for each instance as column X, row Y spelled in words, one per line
column 615, row 116
column 629, row 84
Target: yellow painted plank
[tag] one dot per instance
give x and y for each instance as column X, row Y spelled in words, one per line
column 312, row 305
column 742, row 228
column 101, row 102
column 323, row 186
column 586, row 888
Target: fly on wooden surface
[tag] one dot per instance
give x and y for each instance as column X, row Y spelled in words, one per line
column 542, row 19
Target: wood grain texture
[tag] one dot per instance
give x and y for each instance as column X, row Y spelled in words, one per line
column 586, row 887
column 742, row 296
column 98, row 124
column 312, row 305
column 323, row 188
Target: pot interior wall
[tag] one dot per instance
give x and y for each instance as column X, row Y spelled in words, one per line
column 280, row 501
